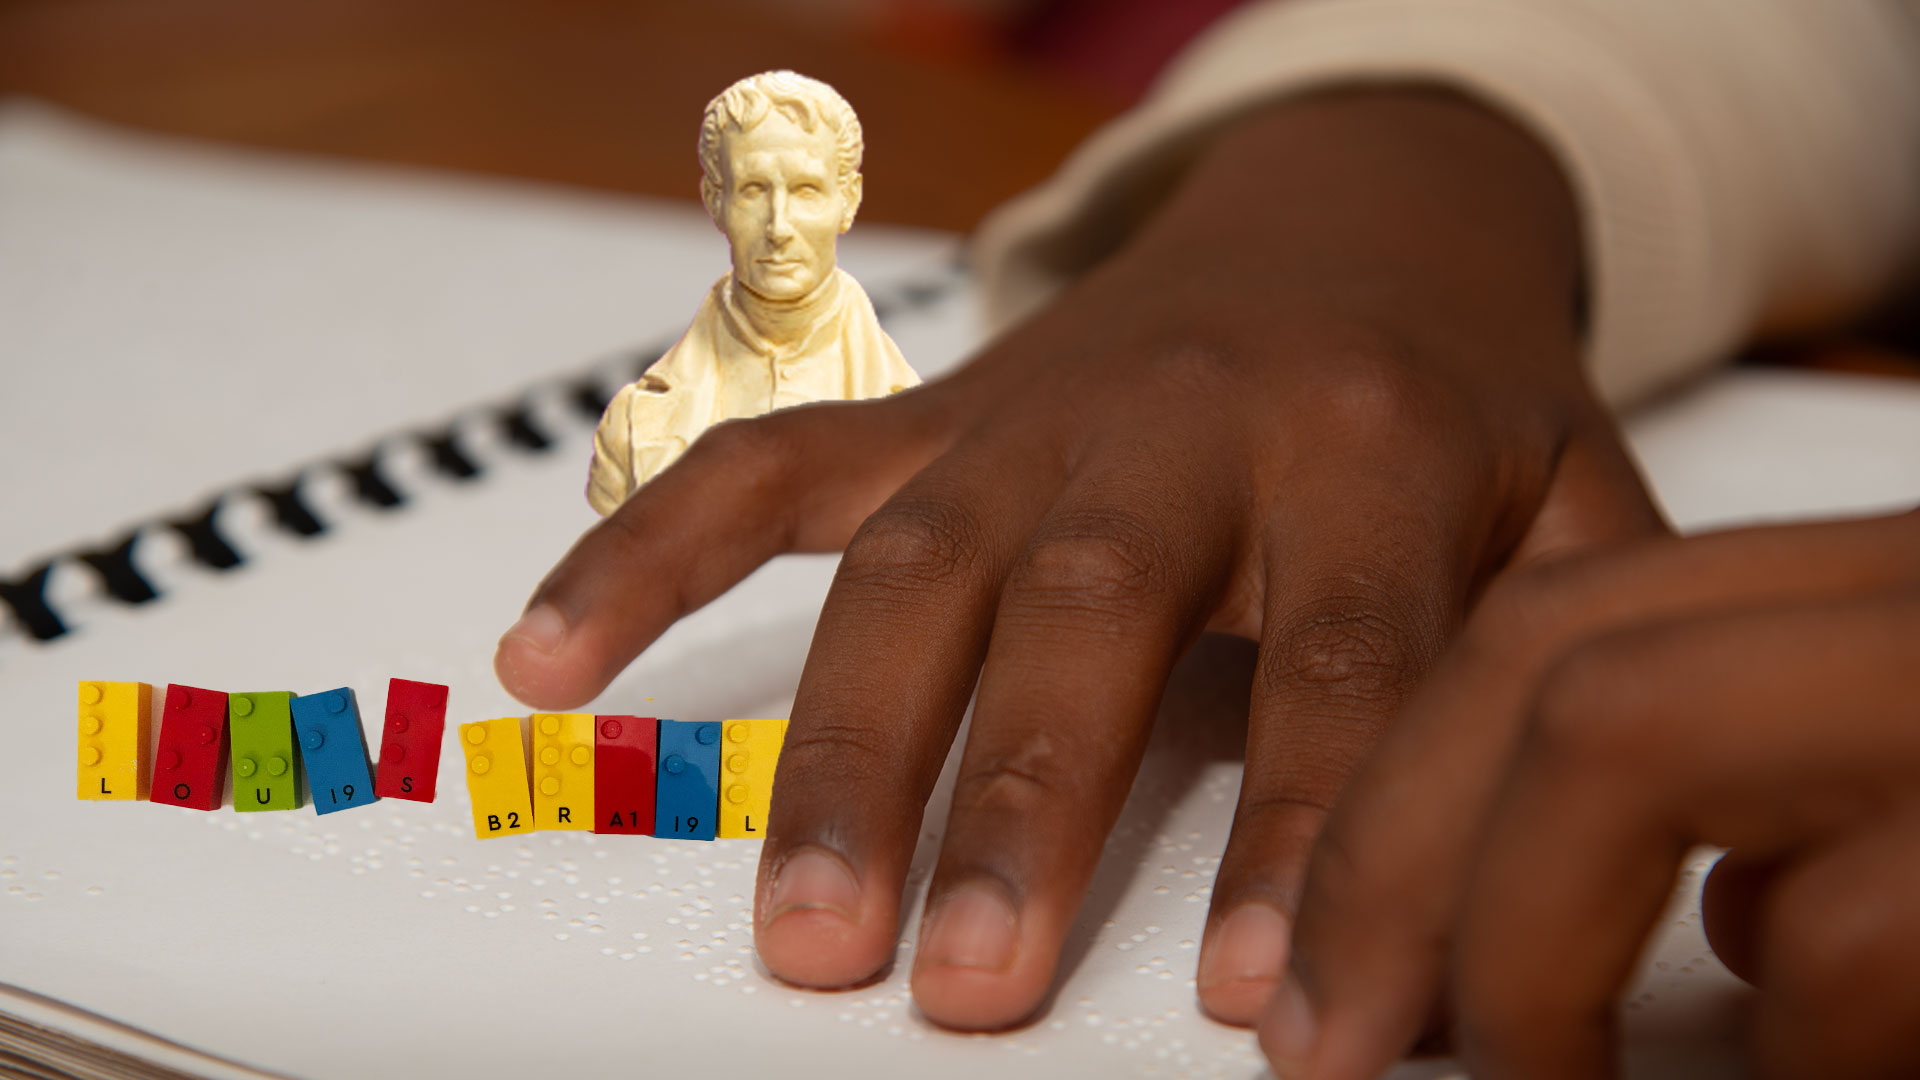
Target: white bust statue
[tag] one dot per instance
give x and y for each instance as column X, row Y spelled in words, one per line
column 780, row 163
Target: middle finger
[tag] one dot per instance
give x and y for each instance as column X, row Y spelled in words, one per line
column 1118, row 579
column 893, row 661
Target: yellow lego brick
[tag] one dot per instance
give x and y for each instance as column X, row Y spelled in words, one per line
column 749, row 753
column 115, row 762
column 497, row 777
column 563, row 771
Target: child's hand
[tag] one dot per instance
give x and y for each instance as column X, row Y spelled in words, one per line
column 1518, row 831
column 1325, row 394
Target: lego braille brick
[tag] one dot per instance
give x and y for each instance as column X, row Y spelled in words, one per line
column 113, row 740
column 563, row 771
column 685, row 797
column 333, row 750
column 749, row 751
column 190, row 767
column 410, row 747
column 263, row 759
column 623, row 768
column 497, row 777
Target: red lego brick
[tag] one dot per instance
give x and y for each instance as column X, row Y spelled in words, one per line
column 624, row 748
column 190, row 768
column 410, row 747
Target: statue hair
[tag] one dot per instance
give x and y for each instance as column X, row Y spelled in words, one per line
column 807, row 102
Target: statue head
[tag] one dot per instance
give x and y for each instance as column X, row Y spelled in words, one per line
column 780, row 163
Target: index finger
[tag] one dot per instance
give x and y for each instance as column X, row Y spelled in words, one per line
column 800, row 479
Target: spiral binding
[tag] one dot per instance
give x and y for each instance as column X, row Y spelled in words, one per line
column 513, row 419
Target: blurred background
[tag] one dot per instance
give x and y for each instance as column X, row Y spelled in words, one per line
column 965, row 102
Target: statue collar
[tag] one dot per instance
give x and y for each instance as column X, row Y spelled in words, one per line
column 817, row 315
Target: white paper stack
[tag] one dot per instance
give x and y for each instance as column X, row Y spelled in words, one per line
column 184, row 323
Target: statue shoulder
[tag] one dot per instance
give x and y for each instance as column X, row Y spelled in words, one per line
column 853, row 292
column 691, row 358
column 892, row 374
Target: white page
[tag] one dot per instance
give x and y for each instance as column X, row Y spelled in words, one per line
column 388, row 940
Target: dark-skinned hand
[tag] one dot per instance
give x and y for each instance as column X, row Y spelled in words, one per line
column 1510, row 846
column 1324, row 395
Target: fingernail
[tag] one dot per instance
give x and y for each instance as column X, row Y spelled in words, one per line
column 1288, row 1032
column 813, row 880
column 972, row 927
column 1251, row 944
column 541, row 627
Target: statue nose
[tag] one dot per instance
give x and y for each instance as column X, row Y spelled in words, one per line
column 779, row 229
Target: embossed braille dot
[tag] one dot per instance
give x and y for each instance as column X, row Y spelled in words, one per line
column 737, row 794
column 550, row 786
column 737, row 733
column 182, row 697
column 549, row 755
column 707, row 734
column 246, row 766
column 610, row 729
column 549, row 725
column 90, row 693
column 276, row 765
column 90, row 725
column 580, row 756
column 393, row 754
column 336, row 702
column 477, row 734
column 208, row 735
column 397, row 723
column 481, row 764
column 242, row 705
column 90, row 755
column 674, row 764
column 313, row 739
column 170, row 760
column 737, row 763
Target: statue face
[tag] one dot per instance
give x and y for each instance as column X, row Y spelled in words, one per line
column 783, row 208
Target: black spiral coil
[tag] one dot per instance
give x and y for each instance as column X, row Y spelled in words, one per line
column 290, row 507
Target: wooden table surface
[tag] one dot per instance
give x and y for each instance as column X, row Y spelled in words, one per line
column 599, row 93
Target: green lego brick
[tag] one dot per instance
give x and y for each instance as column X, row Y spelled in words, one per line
column 264, row 766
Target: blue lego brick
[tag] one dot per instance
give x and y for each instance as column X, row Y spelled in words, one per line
column 333, row 750
column 687, row 799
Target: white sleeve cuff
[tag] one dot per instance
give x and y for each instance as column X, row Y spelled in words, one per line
column 1740, row 164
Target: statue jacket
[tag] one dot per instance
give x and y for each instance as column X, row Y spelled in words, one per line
column 723, row 369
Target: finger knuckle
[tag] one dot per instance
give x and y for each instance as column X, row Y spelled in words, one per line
column 838, row 749
column 1592, row 714
column 629, row 537
column 1553, row 601
column 1514, row 610
column 628, row 529
column 1367, row 391
column 1279, row 808
column 1029, row 777
column 1196, row 359
column 1826, row 943
column 1362, row 637
column 1109, row 564
column 1840, row 958
column 913, row 542
column 757, row 452
column 1304, row 778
